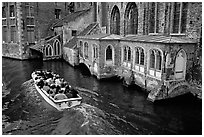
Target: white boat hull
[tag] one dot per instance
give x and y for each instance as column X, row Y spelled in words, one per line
column 58, row 104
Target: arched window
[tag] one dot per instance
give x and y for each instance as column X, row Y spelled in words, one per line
column 86, row 50
column 180, row 65
column 115, row 21
column 50, row 51
column 154, row 17
column 179, row 17
column 95, row 51
column 129, row 54
column 125, row 54
column 142, row 56
column 80, row 48
column 46, row 51
column 59, row 48
column 137, row 56
column 152, row 59
column 109, row 53
column 131, row 19
column 56, row 47
column 158, row 60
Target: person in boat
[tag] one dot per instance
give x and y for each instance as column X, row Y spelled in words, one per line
column 60, row 95
column 40, row 82
column 46, row 87
column 52, row 91
column 50, row 81
column 48, row 75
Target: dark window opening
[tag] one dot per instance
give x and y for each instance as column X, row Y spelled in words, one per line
column 57, row 13
column 154, row 20
column 152, row 60
column 115, row 21
column 74, row 32
column 30, row 35
column 3, row 12
column 137, row 56
column 109, row 53
column 71, row 7
column 12, row 12
column 13, row 34
column 179, row 17
column 131, row 19
column 129, row 54
column 125, row 54
column 142, row 57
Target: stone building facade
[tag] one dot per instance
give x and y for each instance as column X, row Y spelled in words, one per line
column 153, row 18
column 25, row 23
column 100, row 53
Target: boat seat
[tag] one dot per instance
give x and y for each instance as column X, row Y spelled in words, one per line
column 60, row 96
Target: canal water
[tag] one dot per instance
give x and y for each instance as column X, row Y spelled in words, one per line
column 126, row 108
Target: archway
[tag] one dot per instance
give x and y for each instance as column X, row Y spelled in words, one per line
column 84, row 69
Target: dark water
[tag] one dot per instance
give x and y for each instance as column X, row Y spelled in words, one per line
column 127, row 109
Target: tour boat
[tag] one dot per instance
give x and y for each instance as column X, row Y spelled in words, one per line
column 58, row 104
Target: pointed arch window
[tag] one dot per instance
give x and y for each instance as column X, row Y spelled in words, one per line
column 152, row 59
column 155, row 63
column 179, row 17
column 125, row 54
column 95, row 51
column 137, row 56
column 131, row 19
column 142, row 56
column 57, row 47
column 115, row 21
column 154, row 17
column 86, row 48
column 129, row 54
column 48, row 50
column 158, row 60
column 81, row 48
column 109, row 53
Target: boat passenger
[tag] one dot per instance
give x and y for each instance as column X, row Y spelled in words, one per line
column 49, row 75
column 46, row 87
column 58, row 82
column 52, row 92
column 40, row 83
column 50, row 81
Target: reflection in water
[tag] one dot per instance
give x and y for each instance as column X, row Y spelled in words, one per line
column 125, row 108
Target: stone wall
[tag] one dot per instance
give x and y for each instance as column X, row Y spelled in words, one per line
column 105, row 68
column 194, row 18
column 70, row 56
column 45, row 17
column 11, row 50
column 79, row 24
